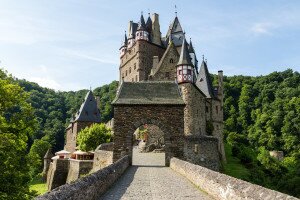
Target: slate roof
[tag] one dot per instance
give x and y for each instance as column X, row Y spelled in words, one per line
column 175, row 32
column 148, row 93
column 184, row 58
column 149, row 24
column 88, row 111
column 191, row 48
column 203, row 81
column 132, row 29
column 142, row 24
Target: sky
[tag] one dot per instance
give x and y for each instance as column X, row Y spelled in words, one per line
column 74, row 44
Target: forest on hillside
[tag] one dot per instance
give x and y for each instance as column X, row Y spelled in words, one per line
column 260, row 114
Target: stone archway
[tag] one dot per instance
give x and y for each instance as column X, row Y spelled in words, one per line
column 169, row 118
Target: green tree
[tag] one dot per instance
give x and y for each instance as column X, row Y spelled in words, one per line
column 37, row 153
column 17, row 123
column 89, row 138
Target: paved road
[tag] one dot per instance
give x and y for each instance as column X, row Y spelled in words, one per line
column 149, row 179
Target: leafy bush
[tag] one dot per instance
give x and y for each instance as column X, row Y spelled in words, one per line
column 89, row 138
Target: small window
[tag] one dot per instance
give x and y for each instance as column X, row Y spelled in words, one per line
column 86, row 113
column 134, row 66
column 136, row 78
column 171, row 60
column 189, row 72
column 126, row 73
column 129, row 70
column 206, row 109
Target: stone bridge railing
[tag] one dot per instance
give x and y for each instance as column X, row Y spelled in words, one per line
column 90, row 187
column 221, row 186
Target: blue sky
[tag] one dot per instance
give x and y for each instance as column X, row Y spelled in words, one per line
column 73, row 44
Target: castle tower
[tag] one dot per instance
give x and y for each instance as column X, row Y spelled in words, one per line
column 156, row 34
column 142, row 33
column 87, row 115
column 185, row 68
column 131, row 34
column 123, row 48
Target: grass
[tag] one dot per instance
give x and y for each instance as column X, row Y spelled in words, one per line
column 38, row 185
column 234, row 167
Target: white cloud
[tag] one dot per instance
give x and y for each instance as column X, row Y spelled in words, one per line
column 46, row 82
column 77, row 54
column 262, row 28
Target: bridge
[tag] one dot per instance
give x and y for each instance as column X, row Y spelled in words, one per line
column 148, row 178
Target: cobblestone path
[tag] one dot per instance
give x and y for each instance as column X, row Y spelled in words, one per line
column 149, row 179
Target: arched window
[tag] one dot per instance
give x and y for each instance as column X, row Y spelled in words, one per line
column 134, row 66
column 171, row 60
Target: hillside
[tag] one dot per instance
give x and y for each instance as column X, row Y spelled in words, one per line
column 260, row 114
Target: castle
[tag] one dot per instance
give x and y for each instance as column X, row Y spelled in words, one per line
column 146, row 56
column 160, row 85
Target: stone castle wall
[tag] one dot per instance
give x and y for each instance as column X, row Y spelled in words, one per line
column 221, row 186
column 137, row 62
column 78, row 168
column 72, row 133
column 194, row 111
column 203, row 151
column 57, row 173
column 103, row 156
column 90, row 187
column 169, row 118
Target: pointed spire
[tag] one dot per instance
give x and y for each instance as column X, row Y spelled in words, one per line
column 142, row 24
column 125, row 40
column 149, row 23
column 184, row 58
column 191, row 48
column 88, row 111
column 203, row 80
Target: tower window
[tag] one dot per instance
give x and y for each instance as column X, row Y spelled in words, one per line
column 171, row 60
column 206, row 109
column 189, row 72
column 134, row 66
column 126, row 73
column 129, row 70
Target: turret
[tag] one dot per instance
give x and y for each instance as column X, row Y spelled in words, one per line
column 123, row 48
column 185, row 67
column 193, row 56
column 131, row 34
column 142, row 33
column 156, row 34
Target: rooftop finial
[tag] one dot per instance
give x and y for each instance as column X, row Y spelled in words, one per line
column 90, row 88
column 175, row 10
column 203, row 57
column 149, row 12
column 206, row 61
column 141, row 12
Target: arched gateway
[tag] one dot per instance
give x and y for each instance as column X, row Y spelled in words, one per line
column 157, row 103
